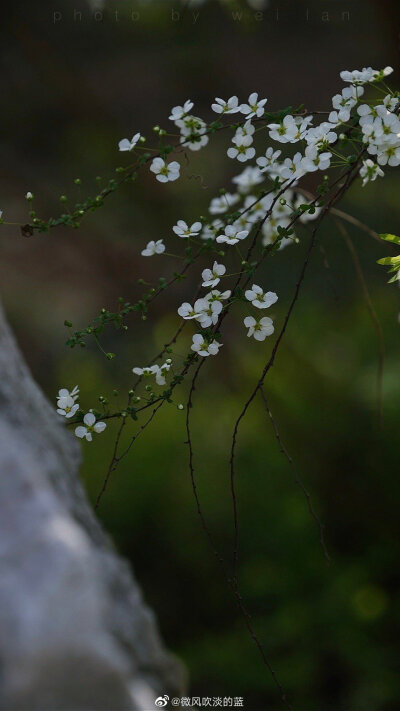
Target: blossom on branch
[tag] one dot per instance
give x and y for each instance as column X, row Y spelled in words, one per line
column 183, row 230
column 153, row 248
column 211, row 277
column 201, row 347
column 128, row 145
column 259, row 329
column 165, row 172
column 259, row 298
column 89, row 426
column 232, row 235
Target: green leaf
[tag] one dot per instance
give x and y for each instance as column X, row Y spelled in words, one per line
column 392, row 261
column 393, row 279
column 390, row 238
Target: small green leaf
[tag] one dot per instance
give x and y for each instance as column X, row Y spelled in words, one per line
column 392, row 261
column 390, row 238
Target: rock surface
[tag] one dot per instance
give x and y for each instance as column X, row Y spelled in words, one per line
column 75, row 634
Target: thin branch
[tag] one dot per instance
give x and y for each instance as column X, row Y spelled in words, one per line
column 232, row 583
column 373, row 316
column 297, row 479
column 112, row 465
column 349, row 177
column 115, row 460
column 345, row 216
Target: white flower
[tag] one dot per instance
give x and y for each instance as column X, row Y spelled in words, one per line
column 290, row 130
column 242, row 140
column 187, row 311
column 259, row 329
column 268, row 162
column 147, row 370
column 165, row 172
column 389, row 156
column 210, row 231
column 211, row 277
column 179, row 112
column 160, row 374
column 216, row 295
column 338, row 117
column 66, row 393
column 244, row 221
column 226, row 107
column 201, row 347
column 369, row 171
column 321, row 136
column 189, row 125
column 344, row 102
column 128, row 145
column 255, row 106
column 390, row 102
column 183, row 230
column 357, row 76
column 249, row 177
column 259, row 298
column 246, row 130
column 367, row 114
column 313, row 160
column 232, row 235
column 193, row 131
column 365, row 75
column 90, row 426
column 221, row 204
column 209, row 317
column 195, row 141
column 242, row 150
column 256, row 208
column 156, row 370
column 153, row 247
column 293, row 167
column 380, row 73
column 29, row 195
column 66, row 406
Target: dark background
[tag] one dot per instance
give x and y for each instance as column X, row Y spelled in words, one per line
column 71, row 90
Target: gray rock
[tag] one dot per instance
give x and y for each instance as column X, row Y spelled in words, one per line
column 75, row 634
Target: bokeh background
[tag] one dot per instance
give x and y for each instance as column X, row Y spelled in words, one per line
column 71, row 90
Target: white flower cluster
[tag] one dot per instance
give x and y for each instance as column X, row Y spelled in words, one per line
column 379, row 124
column 159, row 371
column 272, row 212
column 89, row 426
column 260, row 328
column 381, row 133
column 279, row 212
column 66, row 402
column 207, row 309
column 68, row 407
column 192, row 128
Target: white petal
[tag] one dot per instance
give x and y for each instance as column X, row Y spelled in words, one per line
column 89, row 419
column 124, row 145
column 100, row 427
